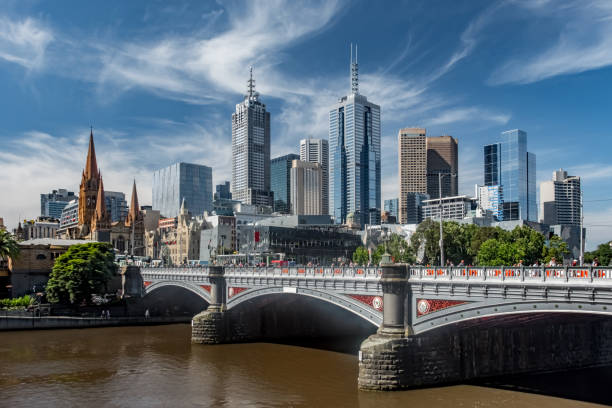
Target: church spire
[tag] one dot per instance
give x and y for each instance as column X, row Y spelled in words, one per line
column 101, row 216
column 134, row 208
column 91, row 166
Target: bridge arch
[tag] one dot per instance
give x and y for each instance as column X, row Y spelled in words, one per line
column 371, row 316
column 468, row 312
column 196, row 289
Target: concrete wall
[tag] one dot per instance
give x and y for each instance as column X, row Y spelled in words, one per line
column 61, row 322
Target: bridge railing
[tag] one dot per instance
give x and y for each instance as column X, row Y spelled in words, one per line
column 306, row 272
column 514, row 273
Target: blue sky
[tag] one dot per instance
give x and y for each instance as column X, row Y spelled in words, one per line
column 159, row 80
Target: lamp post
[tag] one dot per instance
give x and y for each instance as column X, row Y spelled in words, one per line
column 581, row 230
column 440, row 175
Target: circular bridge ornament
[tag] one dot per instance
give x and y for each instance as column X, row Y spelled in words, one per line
column 377, row 302
column 423, row 306
column 231, row 292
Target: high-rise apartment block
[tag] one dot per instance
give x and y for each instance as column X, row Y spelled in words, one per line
column 491, row 199
column 191, row 182
column 442, row 158
column 280, row 182
column 508, row 164
column 306, row 187
column 116, row 205
column 354, row 165
column 317, row 151
column 251, row 150
column 412, row 161
column 560, row 200
column 421, row 160
column 52, row 204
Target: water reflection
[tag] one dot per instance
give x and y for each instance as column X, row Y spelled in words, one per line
column 157, row 366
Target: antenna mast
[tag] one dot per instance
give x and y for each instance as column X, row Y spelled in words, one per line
column 354, row 72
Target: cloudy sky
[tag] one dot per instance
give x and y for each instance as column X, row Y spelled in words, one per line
column 159, row 80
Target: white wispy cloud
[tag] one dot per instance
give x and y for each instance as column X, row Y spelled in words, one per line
column 24, row 42
column 468, row 114
column 584, row 43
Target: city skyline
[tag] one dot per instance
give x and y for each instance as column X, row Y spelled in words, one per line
column 57, row 138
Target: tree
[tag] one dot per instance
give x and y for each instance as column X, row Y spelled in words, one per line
column 603, row 253
column 556, row 248
column 361, row 256
column 398, row 248
column 9, row 248
column 81, row 271
column 495, row 252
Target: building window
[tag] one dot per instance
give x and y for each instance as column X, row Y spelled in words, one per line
column 41, row 256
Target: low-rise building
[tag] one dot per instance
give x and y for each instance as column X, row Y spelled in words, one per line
column 30, row 270
column 453, row 208
column 42, row 227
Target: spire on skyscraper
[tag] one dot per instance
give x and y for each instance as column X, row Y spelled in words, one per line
column 251, row 84
column 354, row 72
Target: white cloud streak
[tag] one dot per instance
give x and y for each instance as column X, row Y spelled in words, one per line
column 24, row 42
column 584, row 43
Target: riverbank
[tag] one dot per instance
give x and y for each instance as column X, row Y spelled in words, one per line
column 9, row 323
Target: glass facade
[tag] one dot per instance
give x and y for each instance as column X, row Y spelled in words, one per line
column 354, row 143
column 192, row 182
column 222, row 191
column 52, row 204
column 509, row 165
column 116, row 205
column 280, row 184
column 392, row 206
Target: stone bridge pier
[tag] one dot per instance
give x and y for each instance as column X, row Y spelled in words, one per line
column 212, row 326
column 396, row 358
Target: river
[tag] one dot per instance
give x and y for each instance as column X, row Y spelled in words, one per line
column 157, row 366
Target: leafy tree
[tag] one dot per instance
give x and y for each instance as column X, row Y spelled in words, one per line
column 495, row 252
column 603, row 253
column 556, row 248
column 427, row 236
column 529, row 244
column 361, row 256
column 398, row 248
column 81, row 271
column 9, row 248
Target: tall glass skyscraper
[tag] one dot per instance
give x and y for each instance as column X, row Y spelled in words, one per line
column 280, row 182
column 508, row 164
column 354, row 150
column 192, row 182
column 251, row 150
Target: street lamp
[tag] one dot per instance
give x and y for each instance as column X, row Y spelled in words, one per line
column 440, row 175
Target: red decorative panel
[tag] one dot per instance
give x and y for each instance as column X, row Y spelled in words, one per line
column 426, row 306
column 147, row 283
column 206, row 288
column 375, row 302
column 233, row 291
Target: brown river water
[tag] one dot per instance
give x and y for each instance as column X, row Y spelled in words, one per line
column 157, row 366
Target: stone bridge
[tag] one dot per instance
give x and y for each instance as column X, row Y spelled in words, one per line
column 435, row 325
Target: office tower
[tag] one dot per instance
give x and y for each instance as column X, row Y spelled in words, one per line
column 413, row 208
column 354, row 166
column 391, row 206
column 222, row 191
column 560, row 199
column 191, row 182
column 52, row 204
column 412, row 161
column 442, row 157
column 251, row 150
column 306, row 187
column 509, row 165
column 280, row 182
column 116, row 205
column 317, row 151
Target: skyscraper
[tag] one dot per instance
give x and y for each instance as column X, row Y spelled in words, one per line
column 317, row 151
column 391, row 206
column 52, row 204
column 560, row 199
column 306, row 183
column 192, row 182
column 280, row 182
column 412, row 161
column 251, row 150
column 116, row 205
column 442, row 157
column 509, row 165
column 222, row 191
column 354, row 147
